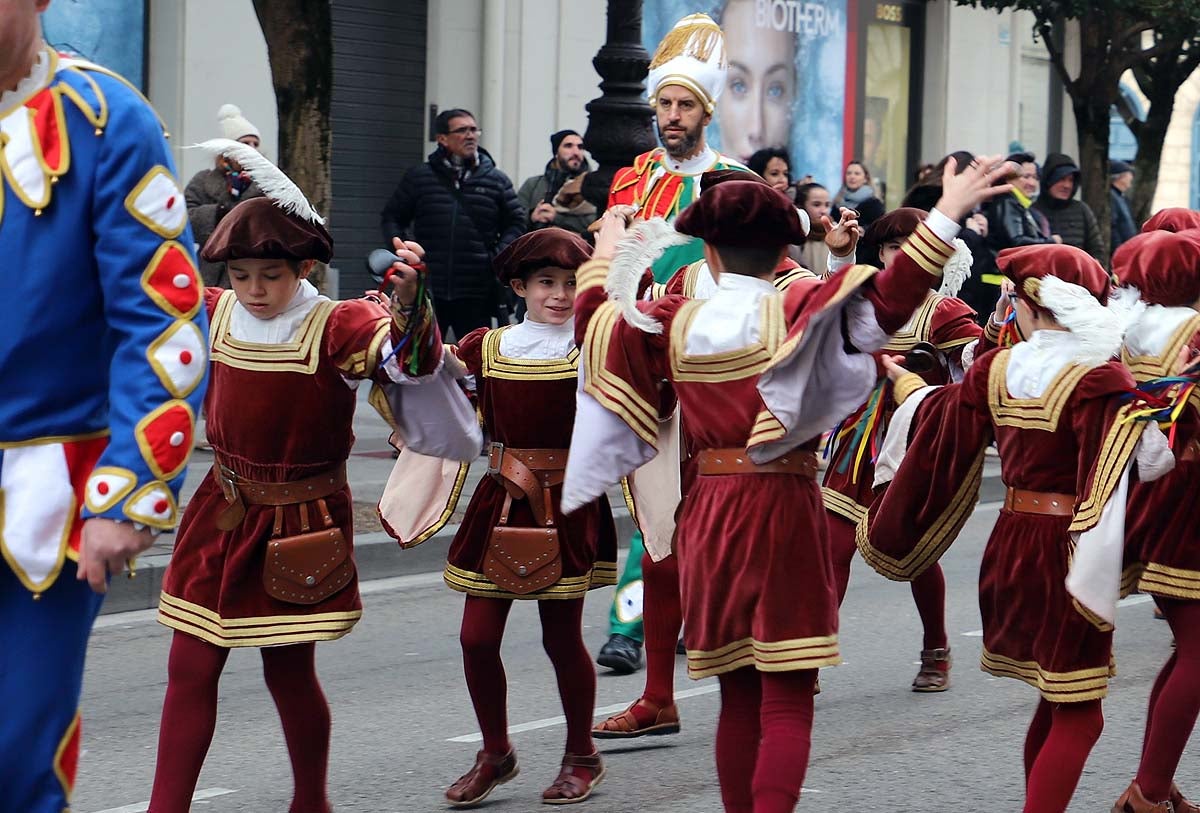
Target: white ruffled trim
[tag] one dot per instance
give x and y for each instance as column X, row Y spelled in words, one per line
column 38, row 78
column 958, row 270
column 1099, row 329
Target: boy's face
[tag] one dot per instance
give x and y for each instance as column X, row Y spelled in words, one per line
column 549, row 295
column 265, row 287
column 889, row 250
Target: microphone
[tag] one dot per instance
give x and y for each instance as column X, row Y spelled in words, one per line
column 379, row 261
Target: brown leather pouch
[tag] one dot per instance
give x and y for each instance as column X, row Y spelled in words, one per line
column 308, row 567
column 522, row 560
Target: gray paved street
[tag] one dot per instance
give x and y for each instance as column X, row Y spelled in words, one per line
column 400, row 706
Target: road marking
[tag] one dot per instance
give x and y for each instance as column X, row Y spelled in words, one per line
column 548, row 722
column 973, row 634
column 142, row 807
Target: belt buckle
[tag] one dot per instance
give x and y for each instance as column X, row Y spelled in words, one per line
column 228, row 483
column 495, row 458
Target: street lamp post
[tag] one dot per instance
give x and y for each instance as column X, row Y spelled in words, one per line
column 619, row 119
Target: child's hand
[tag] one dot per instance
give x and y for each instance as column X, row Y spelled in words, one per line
column 963, row 191
column 1003, row 301
column 891, row 364
column 842, row 238
column 613, row 224
column 404, row 275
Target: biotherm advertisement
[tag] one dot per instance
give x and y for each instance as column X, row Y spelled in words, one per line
column 111, row 33
column 786, row 82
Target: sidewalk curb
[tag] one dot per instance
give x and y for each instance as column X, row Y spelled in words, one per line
column 377, row 556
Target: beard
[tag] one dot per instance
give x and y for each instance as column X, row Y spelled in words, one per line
column 571, row 165
column 685, row 146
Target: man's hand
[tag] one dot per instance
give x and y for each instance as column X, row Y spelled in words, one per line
column 613, row 225
column 891, row 364
column 543, row 213
column 842, row 237
column 978, row 223
column 404, row 275
column 106, row 546
column 977, row 183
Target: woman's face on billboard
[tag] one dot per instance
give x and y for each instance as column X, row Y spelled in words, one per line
column 756, row 108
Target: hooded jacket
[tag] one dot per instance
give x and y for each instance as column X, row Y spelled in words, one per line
column 459, row 243
column 1070, row 219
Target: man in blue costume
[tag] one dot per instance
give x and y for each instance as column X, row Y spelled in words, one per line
column 102, row 369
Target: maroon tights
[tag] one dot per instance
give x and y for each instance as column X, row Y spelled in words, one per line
column 1174, row 702
column 562, row 636
column 190, row 715
column 661, row 621
column 928, row 589
column 763, row 738
column 1057, row 745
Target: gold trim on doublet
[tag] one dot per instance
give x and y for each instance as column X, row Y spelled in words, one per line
column 732, row 365
column 1056, row 687
column 209, row 626
column 302, row 355
column 765, row 656
column 498, row 365
column 602, row 574
column 1030, row 413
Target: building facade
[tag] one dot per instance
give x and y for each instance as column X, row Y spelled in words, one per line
column 895, row 84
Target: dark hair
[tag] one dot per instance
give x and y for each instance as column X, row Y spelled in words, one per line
column 1022, row 158
column 862, row 165
column 925, row 192
column 802, row 192
column 749, row 261
column 441, row 125
column 758, row 162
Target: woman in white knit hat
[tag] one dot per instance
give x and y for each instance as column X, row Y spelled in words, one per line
column 211, row 193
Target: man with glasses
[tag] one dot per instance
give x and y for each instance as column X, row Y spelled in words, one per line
column 463, row 210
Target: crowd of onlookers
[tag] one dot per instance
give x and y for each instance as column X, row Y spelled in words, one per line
column 464, row 210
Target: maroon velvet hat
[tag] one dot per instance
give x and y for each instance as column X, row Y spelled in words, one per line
column 742, row 214
column 1027, row 265
column 545, row 248
column 1163, row 265
column 257, row 229
column 1174, row 219
column 716, row 176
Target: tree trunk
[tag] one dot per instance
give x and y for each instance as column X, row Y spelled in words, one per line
column 1150, row 137
column 299, row 35
column 1091, row 125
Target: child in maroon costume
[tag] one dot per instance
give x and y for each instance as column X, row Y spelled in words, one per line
column 758, row 376
column 1054, row 406
column 1162, row 537
column 948, row 324
column 281, row 354
column 525, row 378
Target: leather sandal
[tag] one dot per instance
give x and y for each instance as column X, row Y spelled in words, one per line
column 489, row 771
column 1132, row 801
column 1181, row 804
column 934, row 675
column 570, row 787
column 626, row 725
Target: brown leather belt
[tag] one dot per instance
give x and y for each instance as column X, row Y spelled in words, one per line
column 240, row 491
column 528, row 474
column 1039, row 502
column 737, row 461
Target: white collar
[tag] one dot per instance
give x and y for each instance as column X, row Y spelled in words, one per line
column 1035, row 362
column 1151, row 333
column 538, row 340
column 38, row 78
column 698, row 163
column 246, row 327
column 740, row 283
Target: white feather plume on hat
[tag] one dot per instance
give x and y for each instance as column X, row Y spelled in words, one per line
column 958, row 270
column 637, row 251
column 1100, row 329
column 277, row 186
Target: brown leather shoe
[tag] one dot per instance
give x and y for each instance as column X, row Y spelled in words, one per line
column 573, row 786
column 934, row 675
column 1132, row 801
column 1181, row 804
column 488, row 771
column 654, row 721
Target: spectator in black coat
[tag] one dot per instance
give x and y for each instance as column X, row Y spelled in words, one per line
column 1070, row 219
column 463, row 210
column 1011, row 221
column 1120, row 178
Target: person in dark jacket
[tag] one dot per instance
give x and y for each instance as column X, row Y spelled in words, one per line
column 1010, row 222
column 1120, row 178
column 555, row 197
column 982, row 287
column 463, row 210
column 1070, row 219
